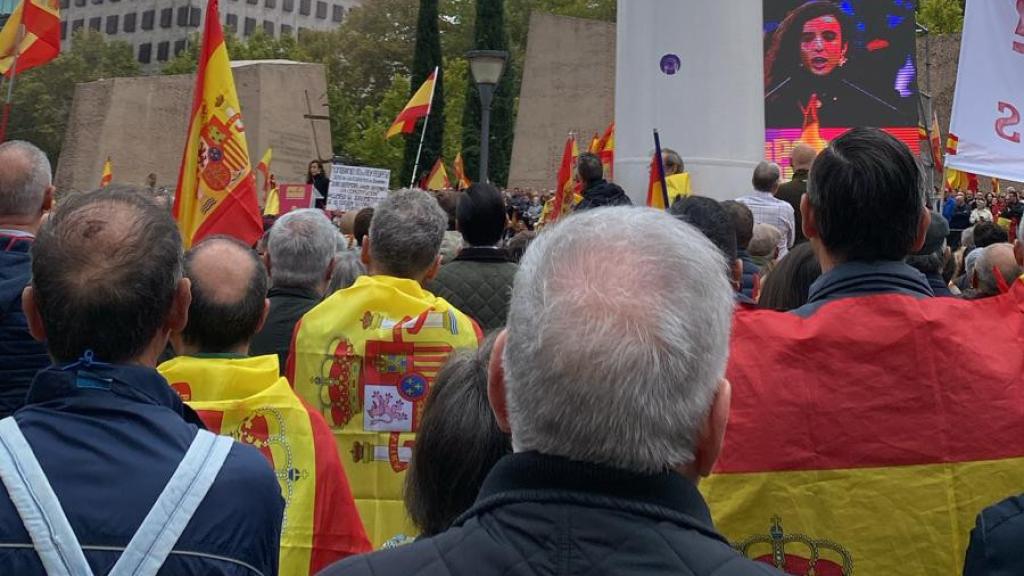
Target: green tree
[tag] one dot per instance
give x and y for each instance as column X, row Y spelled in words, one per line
column 426, row 58
column 941, row 16
column 490, row 34
column 43, row 95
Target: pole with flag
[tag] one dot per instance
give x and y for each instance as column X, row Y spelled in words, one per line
column 419, row 106
column 12, row 74
column 657, row 189
column 423, row 132
column 29, row 38
column 108, row 173
column 216, row 186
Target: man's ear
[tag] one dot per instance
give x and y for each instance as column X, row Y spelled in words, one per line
column 712, row 434
column 177, row 317
column 496, row 383
column 808, row 221
column 364, row 256
column 266, row 263
column 36, row 327
column 737, row 274
column 263, row 315
column 47, row 199
column 434, row 269
column 922, row 230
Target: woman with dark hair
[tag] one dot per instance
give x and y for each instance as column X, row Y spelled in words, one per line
column 789, row 284
column 457, row 420
column 807, row 75
column 320, row 181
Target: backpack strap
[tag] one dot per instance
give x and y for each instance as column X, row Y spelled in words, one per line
column 40, row 511
column 178, row 502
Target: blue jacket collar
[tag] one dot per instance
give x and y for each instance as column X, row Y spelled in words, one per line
column 865, row 278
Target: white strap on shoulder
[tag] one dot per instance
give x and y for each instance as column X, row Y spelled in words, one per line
column 41, row 513
column 178, row 502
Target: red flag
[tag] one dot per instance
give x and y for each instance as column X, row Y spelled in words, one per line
column 607, row 152
column 565, row 187
column 40, row 42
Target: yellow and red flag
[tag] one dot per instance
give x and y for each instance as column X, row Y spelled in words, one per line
column 935, row 139
column 418, row 107
column 606, row 152
column 595, row 144
column 216, row 186
column 871, row 450
column 108, row 173
column 462, row 181
column 565, row 187
column 264, row 168
column 437, row 179
column 245, row 398
column 40, row 41
column 366, row 359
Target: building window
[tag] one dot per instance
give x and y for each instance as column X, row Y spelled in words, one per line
column 286, row 30
column 179, row 47
column 166, row 17
column 77, row 25
column 268, row 28
column 253, row 2
column 162, row 50
column 304, row 6
column 63, row 30
column 79, row 3
column 337, row 13
column 112, row 22
column 97, row 1
column 145, row 53
column 182, row 16
column 95, row 23
column 250, row 27
column 287, row 5
column 129, row 22
column 195, row 17
column 321, row 10
column 147, row 19
column 64, row 4
column 270, row 4
column 232, row 23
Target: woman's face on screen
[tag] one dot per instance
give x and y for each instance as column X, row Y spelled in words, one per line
column 821, row 45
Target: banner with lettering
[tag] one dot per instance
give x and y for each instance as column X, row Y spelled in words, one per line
column 985, row 135
column 357, row 187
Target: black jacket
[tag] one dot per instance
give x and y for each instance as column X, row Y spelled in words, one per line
column 21, row 356
column 751, row 273
column 603, row 193
column 792, row 192
column 995, row 548
column 544, row 515
column 854, row 279
column 478, row 282
column 287, row 307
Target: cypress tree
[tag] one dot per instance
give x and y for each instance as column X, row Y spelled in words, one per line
column 427, row 56
column 490, row 34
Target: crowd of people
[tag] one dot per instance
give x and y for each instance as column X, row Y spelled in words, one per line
column 458, row 379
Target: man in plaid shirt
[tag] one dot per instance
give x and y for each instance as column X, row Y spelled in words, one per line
column 767, row 208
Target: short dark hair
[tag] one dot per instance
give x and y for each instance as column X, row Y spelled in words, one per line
column 447, row 200
column 361, row 224
column 742, row 221
column 987, row 234
column 788, row 287
column 712, row 220
column 481, row 215
column 867, row 195
column 456, row 420
column 217, row 327
column 590, row 167
column 105, row 268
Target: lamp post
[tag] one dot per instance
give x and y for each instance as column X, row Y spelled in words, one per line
column 487, row 67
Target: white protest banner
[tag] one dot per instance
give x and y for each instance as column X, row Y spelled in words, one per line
column 985, row 131
column 357, row 187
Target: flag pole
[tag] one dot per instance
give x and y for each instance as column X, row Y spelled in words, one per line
column 10, row 84
column 423, row 135
column 661, row 169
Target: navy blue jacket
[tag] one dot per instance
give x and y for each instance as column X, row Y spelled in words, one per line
column 546, row 515
column 108, row 440
column 21, row 356
column 750, row 271
column 852, row 279
column 995, row 548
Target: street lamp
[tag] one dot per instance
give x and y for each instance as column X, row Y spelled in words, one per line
column 487, row 67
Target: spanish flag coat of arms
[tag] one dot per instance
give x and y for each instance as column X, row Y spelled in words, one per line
column 366, row 358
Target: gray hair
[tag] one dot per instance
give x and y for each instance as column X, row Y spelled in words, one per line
column 301, row 246
column 25, row 174
column 347, row 268
column 764, row 240
column 617, row 338
column 989, row 262
column 766, row 176
column 406, row 233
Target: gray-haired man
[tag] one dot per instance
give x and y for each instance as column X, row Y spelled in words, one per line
column 610, row 378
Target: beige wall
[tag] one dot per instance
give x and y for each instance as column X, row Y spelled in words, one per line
column 141, row 124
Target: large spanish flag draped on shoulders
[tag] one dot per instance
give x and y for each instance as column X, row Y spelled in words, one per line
column 41, row 40
column 366, row 358
column 246, row 399
column 866, row 437
column 216, row 186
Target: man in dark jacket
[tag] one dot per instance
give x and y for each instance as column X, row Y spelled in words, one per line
column 792, row 191
column 601, row 481
column 125, row 472
column 300, row 257
column 479, row 281
column 743, row 222
column 931, row 258
column 715, row 222
column 597, row 191
column 26, row 193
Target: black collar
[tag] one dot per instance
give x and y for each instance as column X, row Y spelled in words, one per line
column 482, row 254
column 306, row 293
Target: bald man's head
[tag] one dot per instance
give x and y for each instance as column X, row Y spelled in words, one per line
column 25, row 181
column 802, row 157
column 995, row 259
column 229, row 290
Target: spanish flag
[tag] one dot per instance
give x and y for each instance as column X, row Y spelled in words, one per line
column 595, row 144
column 565, row 188
column 936, row 142
column 437, row 179
column 958, row 180
column 462, row 181
column 607, row 151
column 366, row 358
column 418, row 107
column 108, row 173
column 264, row 168
column 856, row 446
column 216, row 186
column 40, row 42
column 657, row 188
column 245, row 398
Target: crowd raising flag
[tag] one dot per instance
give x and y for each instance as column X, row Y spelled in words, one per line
column 418, row 107
column 437, row 179
column 37, row 43
column 565, row 188
column 657, row 189
column 108, row 173
column 216, row 186
column 462, row 181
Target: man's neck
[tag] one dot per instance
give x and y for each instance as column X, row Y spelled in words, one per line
column 22, row 224
column 241, row 349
